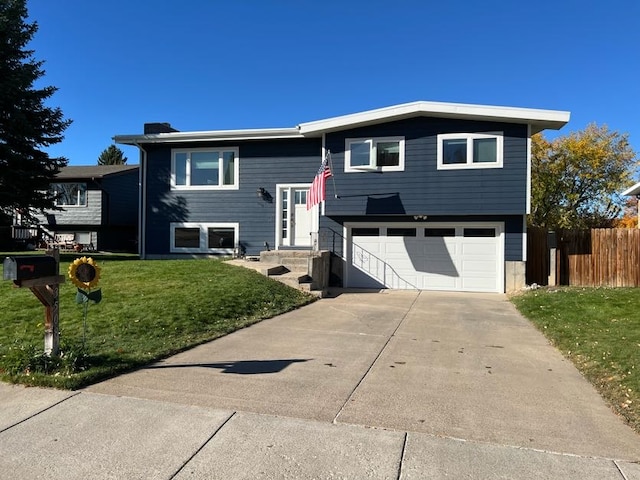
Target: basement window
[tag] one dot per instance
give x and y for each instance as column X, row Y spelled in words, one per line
column 210, row 238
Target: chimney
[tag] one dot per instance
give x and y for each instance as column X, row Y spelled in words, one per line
column 150, row 128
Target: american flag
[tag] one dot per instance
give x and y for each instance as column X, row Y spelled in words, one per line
column 317, row 191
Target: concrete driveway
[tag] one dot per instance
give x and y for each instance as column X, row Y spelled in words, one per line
column 392, row 385
column 463, row 366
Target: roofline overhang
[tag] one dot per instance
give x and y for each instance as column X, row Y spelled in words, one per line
column 63, row 175
column 538, row 119
column 217, row 135
column 634, row 190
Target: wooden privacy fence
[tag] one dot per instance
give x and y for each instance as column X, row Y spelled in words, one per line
column 537, row 257
column 596, row 257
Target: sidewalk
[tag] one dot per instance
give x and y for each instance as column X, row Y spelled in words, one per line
column 390, row 385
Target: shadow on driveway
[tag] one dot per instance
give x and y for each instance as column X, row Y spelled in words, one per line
column 241, row 367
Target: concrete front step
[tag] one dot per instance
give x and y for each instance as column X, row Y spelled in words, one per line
column 294, row 282
column 281, row 274
column 291, row 267
column 292, row 259
column 299, row 279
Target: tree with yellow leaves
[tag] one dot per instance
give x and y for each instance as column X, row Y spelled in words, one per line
column 576, row 179
column 629, row 217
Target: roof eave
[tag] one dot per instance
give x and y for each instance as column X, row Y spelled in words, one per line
column 75, row 172
column 634, row 190
column 213, row 135
column 538, row 119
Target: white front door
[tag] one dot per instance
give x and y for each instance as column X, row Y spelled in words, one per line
column 301, row 218
column 294, row 223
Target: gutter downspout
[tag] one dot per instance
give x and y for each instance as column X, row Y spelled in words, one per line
column 142, row 203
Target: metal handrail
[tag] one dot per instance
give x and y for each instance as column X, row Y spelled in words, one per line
column 385, row 265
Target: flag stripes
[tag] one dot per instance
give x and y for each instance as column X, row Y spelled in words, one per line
column 316, row 193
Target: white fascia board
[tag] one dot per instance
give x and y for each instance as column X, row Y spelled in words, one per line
column 217, row 135
column 538, row 119
column 635, row 190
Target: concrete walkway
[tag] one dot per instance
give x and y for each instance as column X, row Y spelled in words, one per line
column 364, row 385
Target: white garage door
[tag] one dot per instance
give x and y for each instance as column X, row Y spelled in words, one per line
column 460, row 257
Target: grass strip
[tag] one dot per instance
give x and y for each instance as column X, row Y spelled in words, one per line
column 598, row 329
column 150, row 310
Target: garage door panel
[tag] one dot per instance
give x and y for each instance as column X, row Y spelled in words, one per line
column 440, row 267
column 479, row 249
column 362, row 279
column 470, row 261
column 367, row 272
column 471, row 284
column 367, row 245
column 439, row 282
column 479, row 268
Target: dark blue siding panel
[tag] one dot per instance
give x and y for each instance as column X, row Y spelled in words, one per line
column 422, row 188
column 493, row 194
column 121, row 198
column 263, row 164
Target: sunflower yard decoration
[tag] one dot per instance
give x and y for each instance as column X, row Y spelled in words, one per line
column 84, row 273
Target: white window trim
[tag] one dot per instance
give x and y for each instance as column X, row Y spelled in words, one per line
column 373, row 141
column 236, row 173
column 203, row 237
column 470, row 137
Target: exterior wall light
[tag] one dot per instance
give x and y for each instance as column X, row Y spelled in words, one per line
column 264, row 195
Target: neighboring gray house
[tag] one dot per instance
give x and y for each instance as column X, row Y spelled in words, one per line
column 99, row 208
column 432, row 194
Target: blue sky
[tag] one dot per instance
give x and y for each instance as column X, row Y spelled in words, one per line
column 217, row 65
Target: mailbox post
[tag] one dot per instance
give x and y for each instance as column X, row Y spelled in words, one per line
column 40, row 273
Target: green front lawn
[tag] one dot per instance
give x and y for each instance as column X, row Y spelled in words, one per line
column 599, row 330
column 150, row 310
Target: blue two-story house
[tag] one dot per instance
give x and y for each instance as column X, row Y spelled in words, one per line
column 423, row 195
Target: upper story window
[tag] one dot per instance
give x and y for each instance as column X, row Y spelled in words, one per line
column 204, row 168
column 69, row 194
column 470, row 150
column 382, row 154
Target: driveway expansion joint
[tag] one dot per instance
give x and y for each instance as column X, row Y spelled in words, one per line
column 199, row 449
column 39, row 412
column 375, row 360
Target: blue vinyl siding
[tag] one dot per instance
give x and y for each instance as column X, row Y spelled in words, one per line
column 423, row 189
column 263, row 164
column 460, row 195
column 122, row 201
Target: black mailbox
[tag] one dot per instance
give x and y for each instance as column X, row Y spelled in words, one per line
column 27, row 267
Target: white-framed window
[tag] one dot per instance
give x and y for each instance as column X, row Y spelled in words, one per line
column 470, row 150
column 204, row 168
column 213, row 238
column 69, row 194
column 380, row 154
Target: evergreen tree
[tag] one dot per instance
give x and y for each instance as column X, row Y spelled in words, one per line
column 27, row 126
column 112, row 155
